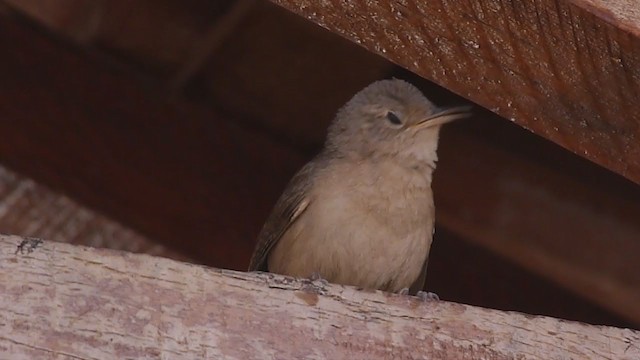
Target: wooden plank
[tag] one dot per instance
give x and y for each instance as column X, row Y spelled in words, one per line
column 568, row 70
column 136, row 306
column 32, row 210
column 69, row 119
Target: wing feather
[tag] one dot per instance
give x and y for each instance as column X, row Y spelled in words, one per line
column 292, row 204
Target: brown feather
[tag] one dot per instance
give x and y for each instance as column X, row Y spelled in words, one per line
column 287, row 210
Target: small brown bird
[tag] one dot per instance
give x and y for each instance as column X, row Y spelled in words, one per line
column 361, row 212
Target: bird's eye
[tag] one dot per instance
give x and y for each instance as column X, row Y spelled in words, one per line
column 393, row 118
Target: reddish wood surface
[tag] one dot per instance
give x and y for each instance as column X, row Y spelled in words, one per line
column 68, row 119
column 567, row 70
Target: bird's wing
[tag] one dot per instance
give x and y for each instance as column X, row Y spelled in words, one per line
column 418, row 285
column 292, row 203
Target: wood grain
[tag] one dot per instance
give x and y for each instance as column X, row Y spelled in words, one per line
column 136, row 306
column 566, row 70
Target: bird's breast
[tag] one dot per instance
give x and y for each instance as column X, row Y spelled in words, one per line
column 369, row 227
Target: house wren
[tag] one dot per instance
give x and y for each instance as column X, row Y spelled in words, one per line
column 361, row 212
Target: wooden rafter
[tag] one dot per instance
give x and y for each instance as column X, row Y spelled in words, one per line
column 568, row 70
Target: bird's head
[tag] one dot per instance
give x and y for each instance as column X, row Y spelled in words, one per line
column 390, row 119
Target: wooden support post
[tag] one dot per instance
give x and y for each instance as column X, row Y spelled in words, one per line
column 65, row 301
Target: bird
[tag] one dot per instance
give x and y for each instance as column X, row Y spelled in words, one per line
column 361, row 212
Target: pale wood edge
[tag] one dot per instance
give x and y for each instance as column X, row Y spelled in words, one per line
column 619, row 13
column 65, row 301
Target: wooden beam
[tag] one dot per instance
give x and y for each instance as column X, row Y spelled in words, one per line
column 85, row 303
column 568, row 70
column 78, row 124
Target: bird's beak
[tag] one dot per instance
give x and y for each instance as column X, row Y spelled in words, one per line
column 441, row 117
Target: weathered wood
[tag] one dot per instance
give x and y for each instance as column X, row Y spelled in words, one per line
column 567, row 70
column 135, row 306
